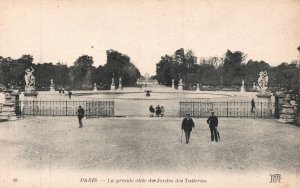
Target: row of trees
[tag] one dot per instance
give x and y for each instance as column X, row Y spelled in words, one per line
column 227, row 71
column 81, row 75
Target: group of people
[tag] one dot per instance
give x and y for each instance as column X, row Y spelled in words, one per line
column 158, row 111
column 188, row 124
column 62, row 92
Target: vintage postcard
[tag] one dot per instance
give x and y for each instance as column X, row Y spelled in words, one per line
column 149, row 93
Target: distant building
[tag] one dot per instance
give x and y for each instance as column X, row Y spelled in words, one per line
column 143, row 81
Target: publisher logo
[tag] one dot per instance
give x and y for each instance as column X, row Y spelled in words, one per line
column 275, row 178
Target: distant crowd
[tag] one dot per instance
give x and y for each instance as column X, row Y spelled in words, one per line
column 158, row 111
column 61, row 91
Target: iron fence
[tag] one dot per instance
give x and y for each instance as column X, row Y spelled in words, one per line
column 226, row 109
column 92, row 108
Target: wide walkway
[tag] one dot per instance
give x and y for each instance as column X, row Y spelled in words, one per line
column 145, row 146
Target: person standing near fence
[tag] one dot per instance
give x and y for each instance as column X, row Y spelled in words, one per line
column 213, row 124
column 70, row 94
column 252, row 106
column 187, row 125
column 80, row 113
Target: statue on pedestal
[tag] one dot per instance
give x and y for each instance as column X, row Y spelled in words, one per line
column 30, row 82
column 112, row 86
column 173, row 83
column 51, row 82
column 263, row 81
column 29, row 78
column 52, row 85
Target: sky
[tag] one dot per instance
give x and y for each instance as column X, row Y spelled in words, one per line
column 62, row 30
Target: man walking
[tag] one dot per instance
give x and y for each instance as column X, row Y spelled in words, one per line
column 187, row 125
column 80, row 113
column 213, row 124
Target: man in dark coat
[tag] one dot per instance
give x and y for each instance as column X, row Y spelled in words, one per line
column 213, row 124
column 80, row 113
column 187, row 125
column 157, row 111
column 252, row 106
column 152, row 110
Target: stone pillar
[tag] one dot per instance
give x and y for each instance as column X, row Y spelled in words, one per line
column 8, row 108
column 198, row 88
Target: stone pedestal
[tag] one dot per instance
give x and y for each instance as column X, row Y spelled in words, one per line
column 180, row 87
column 112, row 87
column 243, row 89
column 8, row 108
column 266, row 98
column 52, row 90
column 198, row 88
column 30, row 91
column 287, row 114
column 120, row 87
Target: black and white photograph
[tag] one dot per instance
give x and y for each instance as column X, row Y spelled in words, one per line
column 149, row 93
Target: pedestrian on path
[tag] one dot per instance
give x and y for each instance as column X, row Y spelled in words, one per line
column 152, row 110
column 252, row 106
column 70, row 94
column 80, row 113
column 213, row 124
column 187, row 125
column 162, row 109
column 157, row 111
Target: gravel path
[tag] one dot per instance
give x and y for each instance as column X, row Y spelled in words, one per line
column 149, row 144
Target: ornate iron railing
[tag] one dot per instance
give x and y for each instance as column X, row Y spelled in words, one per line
column 93, row 108
column 225, row 109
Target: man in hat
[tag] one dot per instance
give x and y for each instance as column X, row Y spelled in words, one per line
column 213, row 124
column 80, row 113
column 187, row 125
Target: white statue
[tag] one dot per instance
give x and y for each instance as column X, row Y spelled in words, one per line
column 51, row 82
column 180, row 81
column 29, row 78
column 112, row 81
column 120, row 80
column 243, row 82
column 263, row 81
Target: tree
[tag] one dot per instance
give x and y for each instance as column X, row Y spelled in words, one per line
column 82, row 72
column 233, row 69
column 118, row 65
